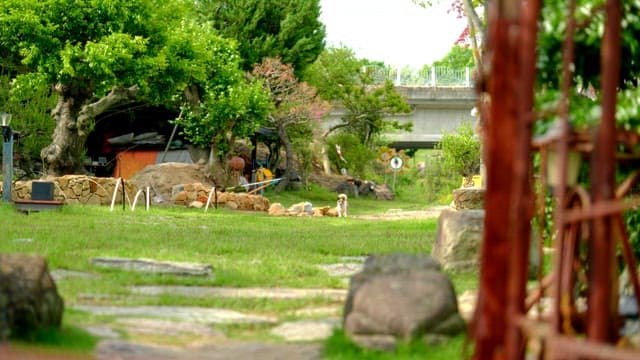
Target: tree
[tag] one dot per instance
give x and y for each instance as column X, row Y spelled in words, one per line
column 459, row 57
column 334, row 69
column 287, row 29
column 339, row 75
column 104, row 53
column 461, row 151
column 297, row 109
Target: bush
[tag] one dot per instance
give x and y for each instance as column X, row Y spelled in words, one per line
column 461, row 151
column 358, row 158
column 438, row 180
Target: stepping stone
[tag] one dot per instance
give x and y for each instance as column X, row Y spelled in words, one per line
column 183, row 313
column 318, row 311
column 353, row 259
column 306, row 330
column 118, row 349
column 102, row 331
column 269, row 293
column 60, row 274
column 154, row 266
column 167, row 327
column 344, row 269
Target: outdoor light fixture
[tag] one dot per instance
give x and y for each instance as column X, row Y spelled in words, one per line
column 6, row 130
column 574, row 159
column 6, row 119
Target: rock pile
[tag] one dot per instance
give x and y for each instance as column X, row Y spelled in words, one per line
column 196, row 195
column 301, row 209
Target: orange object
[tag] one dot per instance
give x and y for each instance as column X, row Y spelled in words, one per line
column 130, row 162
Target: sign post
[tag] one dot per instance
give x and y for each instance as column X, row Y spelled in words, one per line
column 396, row 163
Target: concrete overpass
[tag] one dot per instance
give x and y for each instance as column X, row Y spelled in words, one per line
column 434, row 110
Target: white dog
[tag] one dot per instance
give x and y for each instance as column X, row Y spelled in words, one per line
column 342, row 205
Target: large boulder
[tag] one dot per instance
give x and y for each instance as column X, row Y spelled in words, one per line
column 28, row 296
column 458, row 240
column 400, row 296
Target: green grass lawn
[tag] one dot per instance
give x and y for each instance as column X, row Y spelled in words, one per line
column 245, row 249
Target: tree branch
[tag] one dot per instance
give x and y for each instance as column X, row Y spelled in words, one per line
column 115, row 96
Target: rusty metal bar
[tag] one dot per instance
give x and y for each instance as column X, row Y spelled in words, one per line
column 522, row 197
column 602, row 308
column 560, row 346
column 602, row 208
column 490, row 318
column 562, row 148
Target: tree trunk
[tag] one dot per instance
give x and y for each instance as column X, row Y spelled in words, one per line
column 74, row 122
column 289, row 162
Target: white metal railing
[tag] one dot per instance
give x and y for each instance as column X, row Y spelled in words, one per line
column 427, row 77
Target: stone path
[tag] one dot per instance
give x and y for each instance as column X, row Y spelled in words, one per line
column 198, row 315
column 123, row 350
column 269, row 293
column 194, row 327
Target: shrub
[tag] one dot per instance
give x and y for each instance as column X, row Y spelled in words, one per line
column 358, row 158
column 461, row 151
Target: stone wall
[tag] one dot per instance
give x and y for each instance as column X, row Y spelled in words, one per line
column 78, row 189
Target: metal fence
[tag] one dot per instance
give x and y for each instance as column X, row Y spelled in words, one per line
column 427, row 77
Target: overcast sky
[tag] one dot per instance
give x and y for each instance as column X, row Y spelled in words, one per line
column 397, row 32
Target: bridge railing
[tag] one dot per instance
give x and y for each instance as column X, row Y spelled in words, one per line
column 426, row 77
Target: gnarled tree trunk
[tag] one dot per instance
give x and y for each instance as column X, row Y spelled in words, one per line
column 74, row 122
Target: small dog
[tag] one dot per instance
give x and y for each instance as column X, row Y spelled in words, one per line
column 342, row 205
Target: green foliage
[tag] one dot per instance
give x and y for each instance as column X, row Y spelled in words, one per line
column 341, row 76
column 67, row 338
column 588, row 38
column 632, row 220
column 335, row 69
column 367, row 109
column 359, row 159
column 461, row 151
column 28, row 99
column 340, row 347
column 223, row 115
column 288, row 29
column 459, row 57
column 438, row 180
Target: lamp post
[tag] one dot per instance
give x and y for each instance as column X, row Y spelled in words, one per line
column 7, row 157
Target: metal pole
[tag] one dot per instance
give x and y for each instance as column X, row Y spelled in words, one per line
column 602, row 299
column 7, row 163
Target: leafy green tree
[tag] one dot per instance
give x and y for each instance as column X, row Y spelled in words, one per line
column 459, row 57
column 29, row 106
column 461, row 151
column 287, row 29
column 335, row 69
column 103, row 53
column 341, row 76
column 297, row 110
column 224, row 115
